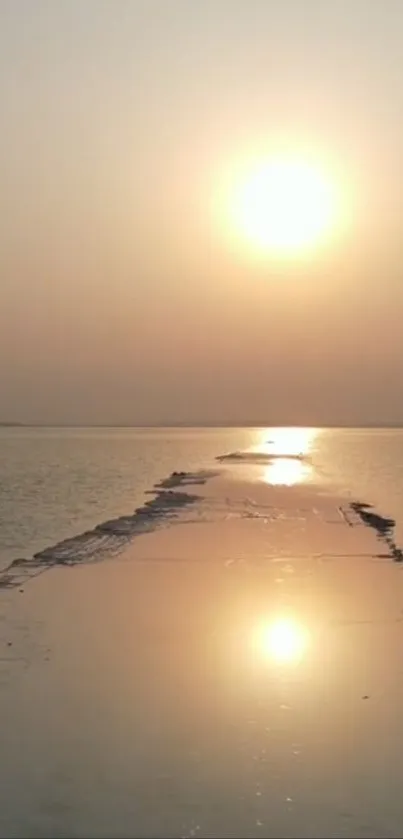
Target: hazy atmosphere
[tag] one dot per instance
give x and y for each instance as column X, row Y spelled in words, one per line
column 130, row 290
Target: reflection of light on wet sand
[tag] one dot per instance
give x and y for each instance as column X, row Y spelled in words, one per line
column 286, row 441
column 286, row 472
column 285, row 640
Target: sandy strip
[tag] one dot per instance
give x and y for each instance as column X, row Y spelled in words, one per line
column 237, row 672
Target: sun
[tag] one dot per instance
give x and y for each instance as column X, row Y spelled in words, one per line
column 284, row 205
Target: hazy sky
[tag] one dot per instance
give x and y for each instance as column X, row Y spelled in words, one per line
column 122, row 299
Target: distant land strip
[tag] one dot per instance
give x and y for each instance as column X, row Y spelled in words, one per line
column 201, row 424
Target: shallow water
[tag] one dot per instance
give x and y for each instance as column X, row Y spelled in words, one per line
column 239, row 675
column 58, row 483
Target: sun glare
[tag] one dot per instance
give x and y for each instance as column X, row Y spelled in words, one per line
column 285, row 471
column 286, row 442
column 285, row 640
column 285, row 206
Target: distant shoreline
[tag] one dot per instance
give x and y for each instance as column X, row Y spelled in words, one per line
column 184, row 425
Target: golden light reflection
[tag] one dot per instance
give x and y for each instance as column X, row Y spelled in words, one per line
column 284, row 641
column 286, row 442
column 285, row 471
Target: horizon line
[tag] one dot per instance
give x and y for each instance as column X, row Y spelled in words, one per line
column 201, row 424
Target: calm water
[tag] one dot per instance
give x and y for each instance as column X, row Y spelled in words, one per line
column 56, row 483
column 163, row 700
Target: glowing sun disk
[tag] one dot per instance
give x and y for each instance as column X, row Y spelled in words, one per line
column 285, row 205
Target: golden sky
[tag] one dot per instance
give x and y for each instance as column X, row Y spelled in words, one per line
column 134, row 287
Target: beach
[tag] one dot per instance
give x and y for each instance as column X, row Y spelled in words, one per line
column 234, row 672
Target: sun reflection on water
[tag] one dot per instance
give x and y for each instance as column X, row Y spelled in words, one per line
column 287, row 442
column 285, row 471
column 285, row 641
column 287, row 452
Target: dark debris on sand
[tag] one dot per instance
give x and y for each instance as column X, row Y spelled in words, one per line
column 109, row 537
column 383, row 526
